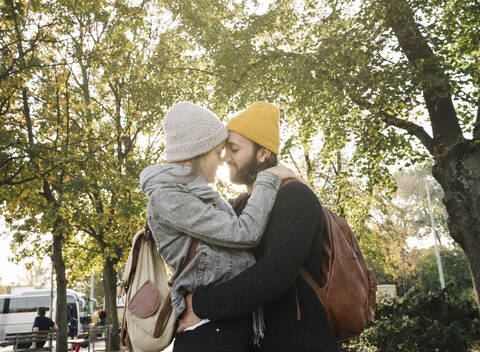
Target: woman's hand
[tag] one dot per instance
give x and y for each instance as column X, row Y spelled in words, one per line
column 284, row 173
column 189, row 318
column 281, row 171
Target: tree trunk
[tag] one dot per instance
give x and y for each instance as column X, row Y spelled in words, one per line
column 61, row 307
column 110, row 289
column 458, row 172
column 457, row 161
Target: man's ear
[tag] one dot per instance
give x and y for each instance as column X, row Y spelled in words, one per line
column 263, row 154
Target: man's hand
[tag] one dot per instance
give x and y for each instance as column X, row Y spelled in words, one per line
column 189, row 318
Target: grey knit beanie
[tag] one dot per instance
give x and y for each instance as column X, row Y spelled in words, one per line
column 191, row 130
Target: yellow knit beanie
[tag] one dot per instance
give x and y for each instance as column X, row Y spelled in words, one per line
column 259, row 123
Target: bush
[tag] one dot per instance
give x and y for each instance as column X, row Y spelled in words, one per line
column 421, row 322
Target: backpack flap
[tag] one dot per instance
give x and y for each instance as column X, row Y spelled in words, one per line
column 145, row 301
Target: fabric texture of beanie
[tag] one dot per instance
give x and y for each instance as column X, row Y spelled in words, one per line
column 259, row 123
column 191, row 130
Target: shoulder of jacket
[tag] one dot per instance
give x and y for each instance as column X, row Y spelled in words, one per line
column 170, row 189
column 298, row 191
column 295, row 187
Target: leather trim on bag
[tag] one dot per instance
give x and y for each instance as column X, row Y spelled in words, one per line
column 146, row 300
column 163, row 316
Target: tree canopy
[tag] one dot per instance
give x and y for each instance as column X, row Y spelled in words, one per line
column 364, row 88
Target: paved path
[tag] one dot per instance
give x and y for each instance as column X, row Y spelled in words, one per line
column 99, row 345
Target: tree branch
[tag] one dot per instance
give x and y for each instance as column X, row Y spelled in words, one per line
column 435, row 83
column 294, row 162
column 85, row 248
column 9, row 181
column 210, row 73
column 412, row 129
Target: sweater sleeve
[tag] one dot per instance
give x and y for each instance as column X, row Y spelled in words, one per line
column 292, row 225
column 218, row 227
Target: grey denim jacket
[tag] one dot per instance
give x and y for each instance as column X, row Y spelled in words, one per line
column 182, row 208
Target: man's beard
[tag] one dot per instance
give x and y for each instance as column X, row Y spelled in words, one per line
column 245, row 175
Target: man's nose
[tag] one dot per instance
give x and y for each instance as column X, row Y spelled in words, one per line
column 226, row 156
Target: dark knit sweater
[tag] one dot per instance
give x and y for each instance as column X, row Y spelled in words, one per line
column 293, row 238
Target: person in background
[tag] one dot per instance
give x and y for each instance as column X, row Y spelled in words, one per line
column 42, row 323
column 102, row 315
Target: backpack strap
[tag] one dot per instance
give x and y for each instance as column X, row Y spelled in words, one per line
column 124, row 328
column 166, row 307
column 131, row 264
column 191, row 253
column 289, row 180
column 303, row 272
column 312, row 283
column 299, row 312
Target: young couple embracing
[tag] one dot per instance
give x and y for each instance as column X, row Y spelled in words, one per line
column 242, row 290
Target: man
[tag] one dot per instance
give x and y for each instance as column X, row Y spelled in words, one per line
column 42, row 323
column 295, row 320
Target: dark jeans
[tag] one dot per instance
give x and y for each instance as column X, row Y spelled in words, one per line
column 227, row 335
column 41, row 343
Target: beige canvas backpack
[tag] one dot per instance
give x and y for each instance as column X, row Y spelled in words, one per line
column 148, row 320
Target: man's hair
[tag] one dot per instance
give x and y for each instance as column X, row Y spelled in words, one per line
column 41, row 311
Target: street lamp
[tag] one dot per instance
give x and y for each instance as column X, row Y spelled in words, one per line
column 435, row 236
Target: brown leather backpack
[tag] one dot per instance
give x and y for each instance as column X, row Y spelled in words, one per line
column 347, row 289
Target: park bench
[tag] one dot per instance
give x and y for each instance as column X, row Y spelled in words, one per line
column 22, row 341
column 95, row 334
column 100, row 333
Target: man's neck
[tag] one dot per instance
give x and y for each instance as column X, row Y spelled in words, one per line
column 249, row 188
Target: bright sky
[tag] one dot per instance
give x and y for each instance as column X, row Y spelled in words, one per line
column 10, row 272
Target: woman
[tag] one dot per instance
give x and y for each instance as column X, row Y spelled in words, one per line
column 182, row 206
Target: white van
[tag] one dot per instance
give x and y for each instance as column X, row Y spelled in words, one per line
column 18, row 312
